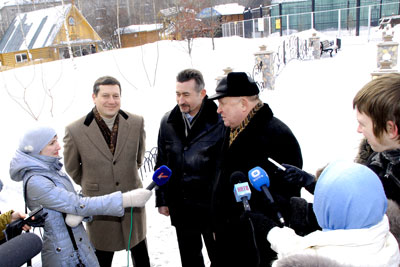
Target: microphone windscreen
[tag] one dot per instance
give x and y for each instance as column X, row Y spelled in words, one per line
column 237, row 177
column 20, row 249
column 258, row 177
column 161, row 175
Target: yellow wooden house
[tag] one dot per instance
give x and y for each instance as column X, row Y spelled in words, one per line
column 45, row 35
column 135, row 35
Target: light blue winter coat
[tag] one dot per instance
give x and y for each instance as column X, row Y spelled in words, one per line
column 51, row 188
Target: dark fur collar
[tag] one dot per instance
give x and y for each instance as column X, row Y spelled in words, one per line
column 90, row 117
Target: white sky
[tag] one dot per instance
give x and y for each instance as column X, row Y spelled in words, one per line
column 314, row 98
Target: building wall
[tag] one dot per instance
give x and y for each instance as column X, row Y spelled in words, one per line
column 139, row 38
column 38, row 55
column 230, row 18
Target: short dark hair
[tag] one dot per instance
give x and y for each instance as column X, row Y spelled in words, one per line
column 189, row 74
column 379, row 99
column 105, row 80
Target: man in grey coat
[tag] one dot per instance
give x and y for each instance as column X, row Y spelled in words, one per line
column 102, row 153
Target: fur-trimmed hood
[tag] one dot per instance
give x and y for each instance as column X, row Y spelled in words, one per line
column 393, row 213
column 308, row 261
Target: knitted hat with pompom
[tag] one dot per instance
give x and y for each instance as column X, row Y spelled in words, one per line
column 35, row 139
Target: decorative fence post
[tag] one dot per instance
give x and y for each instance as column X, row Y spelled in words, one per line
column 265, row 68
column 388, row 46
column 226, row 71
column 385, row 66
column 316, row 47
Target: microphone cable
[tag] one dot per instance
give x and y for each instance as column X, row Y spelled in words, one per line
column 129, row 241
column 253, row 235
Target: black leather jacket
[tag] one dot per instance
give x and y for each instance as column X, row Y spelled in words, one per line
column 192, row 160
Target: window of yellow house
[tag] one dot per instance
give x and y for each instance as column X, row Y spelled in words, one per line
column 71, row 21
column 21, row 58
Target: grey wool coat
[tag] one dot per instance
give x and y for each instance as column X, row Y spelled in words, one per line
column 90, row 163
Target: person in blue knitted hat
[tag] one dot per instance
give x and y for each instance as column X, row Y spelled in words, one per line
column 37, row 164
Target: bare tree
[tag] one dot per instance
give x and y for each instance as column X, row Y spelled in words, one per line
column 185, row 23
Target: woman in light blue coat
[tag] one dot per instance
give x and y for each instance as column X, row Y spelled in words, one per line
column 37, row 164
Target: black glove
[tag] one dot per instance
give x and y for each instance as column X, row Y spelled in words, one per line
column 15, row 228
column 38, row 221
column 302, row 218
column 297, row 176
column 261, row 223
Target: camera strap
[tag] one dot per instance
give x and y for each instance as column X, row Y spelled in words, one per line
column 71, row 235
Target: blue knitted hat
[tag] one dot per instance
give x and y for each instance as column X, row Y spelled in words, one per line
column 34, row 140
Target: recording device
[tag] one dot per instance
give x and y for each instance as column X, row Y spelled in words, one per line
column 160, row 177
column 260, row 181
column 241, row 189
column 15, row 228
column 277, row 164
column 20, row 249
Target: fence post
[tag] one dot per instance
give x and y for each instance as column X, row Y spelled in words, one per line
column 226, row 71
column 287, row 25
column 385, row 66
column 388, row 46
column 314, row 43
column 339, row 22
column 265, row 61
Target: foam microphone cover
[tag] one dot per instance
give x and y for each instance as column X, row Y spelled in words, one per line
column 20, row 249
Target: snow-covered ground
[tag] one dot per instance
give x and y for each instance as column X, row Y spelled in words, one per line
column 314, row 98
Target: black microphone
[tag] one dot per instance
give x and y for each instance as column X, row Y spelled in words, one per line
column 20, row 249
column 241, row 189
column 260, row 181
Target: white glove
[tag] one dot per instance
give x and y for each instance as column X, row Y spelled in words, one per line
column 73, row 220
column 136, row 198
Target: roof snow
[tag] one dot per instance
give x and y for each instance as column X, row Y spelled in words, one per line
column 141, row 28
column 229, row 9
column 34, row 29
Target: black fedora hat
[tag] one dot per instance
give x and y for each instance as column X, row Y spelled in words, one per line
column 235, row 84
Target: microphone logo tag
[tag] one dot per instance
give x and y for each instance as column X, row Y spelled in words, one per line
column 161, row 175
column 255, row 173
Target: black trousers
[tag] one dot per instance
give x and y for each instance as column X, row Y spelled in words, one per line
column 139, row 254
column 190, row 246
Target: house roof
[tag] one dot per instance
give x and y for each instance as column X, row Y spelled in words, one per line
column 221, row 10
column 34, row 29
column 140, row 28
column 23, row 2
column 170, row 11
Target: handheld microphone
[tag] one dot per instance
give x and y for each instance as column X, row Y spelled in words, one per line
column 260, row 181
column 160, row 177
column 241, row 189
column 20, row 249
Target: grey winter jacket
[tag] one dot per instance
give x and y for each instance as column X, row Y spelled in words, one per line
column 48, row 186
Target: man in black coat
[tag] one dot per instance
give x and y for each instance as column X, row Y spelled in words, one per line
column 253, row 135
column 189, row 142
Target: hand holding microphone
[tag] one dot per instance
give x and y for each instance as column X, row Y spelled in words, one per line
column 136, row 198
column 260, row 181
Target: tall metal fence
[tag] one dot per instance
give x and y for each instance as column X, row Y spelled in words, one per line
column 341, row 20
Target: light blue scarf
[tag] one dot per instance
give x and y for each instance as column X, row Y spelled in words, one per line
column 348, row 196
